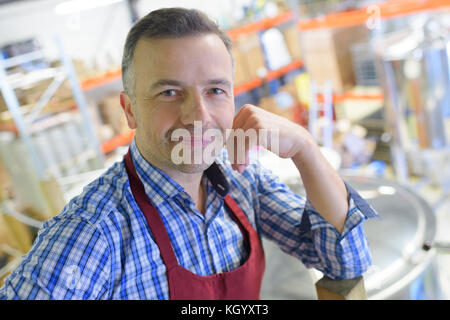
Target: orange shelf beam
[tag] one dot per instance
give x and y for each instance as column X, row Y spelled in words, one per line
column 11, row 127
column 283, row 70
column 356, row 96
column 260, row 25
column 340, row 97
column 247, row 86
column 387, row 10
column 118, row 141
column 91, row 83
column 271, row 75
column 94, row 82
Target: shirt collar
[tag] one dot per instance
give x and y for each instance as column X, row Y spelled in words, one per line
column 158, row 186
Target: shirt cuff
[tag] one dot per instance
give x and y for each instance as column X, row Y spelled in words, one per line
column 358, row 211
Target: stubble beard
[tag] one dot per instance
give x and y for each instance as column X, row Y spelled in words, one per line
column 193, row 166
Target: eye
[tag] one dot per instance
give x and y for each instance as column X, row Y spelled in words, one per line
column 216, row 91
column 169, row 93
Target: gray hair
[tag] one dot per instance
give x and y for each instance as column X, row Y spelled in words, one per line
column 165, row 23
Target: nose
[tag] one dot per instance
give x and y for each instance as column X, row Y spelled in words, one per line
column 194, row 108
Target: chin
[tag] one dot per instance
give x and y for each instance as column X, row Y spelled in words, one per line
column 191, row 168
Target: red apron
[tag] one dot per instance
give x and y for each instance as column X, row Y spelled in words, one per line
column 242, row 283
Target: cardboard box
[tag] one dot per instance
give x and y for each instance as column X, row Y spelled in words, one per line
column 327, row 56
column 285, row 103
column 292, row 39
column 112, row 113
column 241, row 74
column 252, row 56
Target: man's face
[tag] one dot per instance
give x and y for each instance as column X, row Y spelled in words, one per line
column 179, row 81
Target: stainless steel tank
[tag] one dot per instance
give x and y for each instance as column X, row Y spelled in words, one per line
column 395, row 241
column 414, row 70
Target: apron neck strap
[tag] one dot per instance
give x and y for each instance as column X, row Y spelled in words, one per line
column 152, row 215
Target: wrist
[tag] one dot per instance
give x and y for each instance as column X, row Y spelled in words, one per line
column 307, row 151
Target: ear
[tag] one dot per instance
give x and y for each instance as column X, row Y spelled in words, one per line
column 127, row 107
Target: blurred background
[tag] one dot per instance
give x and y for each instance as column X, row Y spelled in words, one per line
column 370, row 80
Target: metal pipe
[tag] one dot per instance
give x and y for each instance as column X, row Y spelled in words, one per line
column 20, row 216
column 81, row 102
column 13, row 105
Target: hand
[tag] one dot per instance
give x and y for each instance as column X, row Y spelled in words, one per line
column 324, row 187
column 275, row 133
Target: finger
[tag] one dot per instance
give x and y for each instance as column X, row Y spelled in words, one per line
column 250, row 141
column 242, row 115
column 232, row 151
column 244, row 137
column 241, row 168
column 237, row 147
column 232, row 139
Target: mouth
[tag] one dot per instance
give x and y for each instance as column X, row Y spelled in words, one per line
column 197, row 142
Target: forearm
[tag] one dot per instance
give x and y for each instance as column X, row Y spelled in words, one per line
column 324, row 187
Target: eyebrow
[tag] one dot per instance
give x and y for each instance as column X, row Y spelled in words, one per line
column 165, row 82
column 170, row 82
column 219, row 81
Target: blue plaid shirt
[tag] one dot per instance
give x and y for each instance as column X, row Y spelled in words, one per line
column 100, row 246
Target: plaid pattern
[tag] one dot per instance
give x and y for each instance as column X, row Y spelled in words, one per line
column 100, row 246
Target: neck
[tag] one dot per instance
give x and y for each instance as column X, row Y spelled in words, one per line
column 192, row 184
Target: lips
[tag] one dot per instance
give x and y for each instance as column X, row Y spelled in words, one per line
column 197, row 141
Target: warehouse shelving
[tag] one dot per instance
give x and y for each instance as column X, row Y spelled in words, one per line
column 350, row 95
column 24, row 122
column 119, row 140
column 115, row 75
column 264, row 24
column 382, row 10
column 110, row 76
column 387, row 9
column 43, row 148
column 100, row 80
column 271, row 75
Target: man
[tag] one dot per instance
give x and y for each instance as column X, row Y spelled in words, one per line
column 155, row 228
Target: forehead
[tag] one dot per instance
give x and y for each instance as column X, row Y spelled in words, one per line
column 199, row 54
